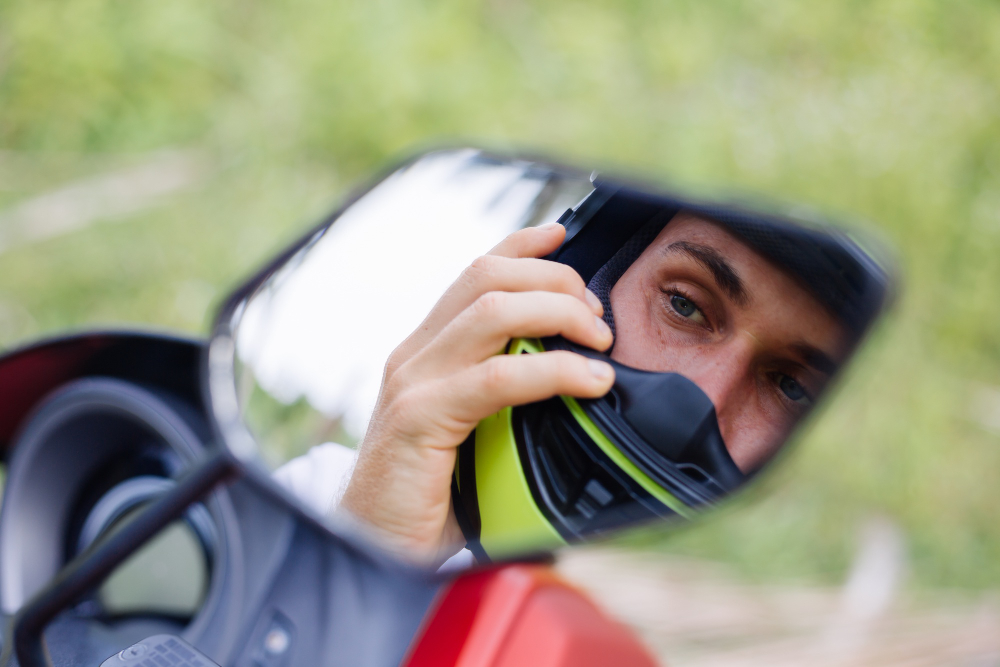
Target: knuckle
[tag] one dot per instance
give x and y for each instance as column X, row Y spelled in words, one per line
column 404, row 377
column 395, row 360
column 477, row 275
column 481, row 270
column 489, row 305
column 496, row 373
column 406, row 408
column 396, row 383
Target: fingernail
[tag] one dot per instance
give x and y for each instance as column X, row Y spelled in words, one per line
column 548, row 226
column 599, row 369
column 592, row 301
column 602, row 326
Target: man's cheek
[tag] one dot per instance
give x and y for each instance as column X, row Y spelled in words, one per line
column 748, row 429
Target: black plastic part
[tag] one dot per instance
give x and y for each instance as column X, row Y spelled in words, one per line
column 339, row 607
column 147, row 397
column 27, row 374
column 465, row 500
column 339, row 600
column 600, row 226
column 676, row 419
column 366, row 593
column 666, row 425
column 93, row 566
column 662, row 422
column 573, row 482
column 83, row 439
column 564, row 216
column 153, row 651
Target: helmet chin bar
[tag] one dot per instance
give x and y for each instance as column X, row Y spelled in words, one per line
column 564, row 469
column 666, row 425
column 573, row 481
column 661, row 423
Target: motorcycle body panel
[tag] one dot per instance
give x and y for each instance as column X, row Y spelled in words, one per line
column 274, row 566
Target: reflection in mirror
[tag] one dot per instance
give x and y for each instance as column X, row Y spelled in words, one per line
column 313, row 340
column 722, row 328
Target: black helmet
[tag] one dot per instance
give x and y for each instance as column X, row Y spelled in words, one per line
column 562, row 469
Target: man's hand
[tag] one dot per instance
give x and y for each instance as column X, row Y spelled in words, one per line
column 447, row 376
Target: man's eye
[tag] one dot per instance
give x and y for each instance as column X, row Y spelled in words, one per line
column 685, row 308
column 793, row 390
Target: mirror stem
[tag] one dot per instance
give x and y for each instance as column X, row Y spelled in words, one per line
column 89, row 569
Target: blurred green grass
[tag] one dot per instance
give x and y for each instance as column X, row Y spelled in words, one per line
column 880, row 111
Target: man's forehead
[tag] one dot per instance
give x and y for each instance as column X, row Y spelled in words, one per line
column 686, row 226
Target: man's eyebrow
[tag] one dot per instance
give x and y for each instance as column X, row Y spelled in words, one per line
column 816, row 358
column 722, row 271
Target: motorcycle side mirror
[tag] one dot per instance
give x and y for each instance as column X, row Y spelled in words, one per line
column 730, row 323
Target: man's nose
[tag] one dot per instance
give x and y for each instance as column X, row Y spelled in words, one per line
column 724, row 374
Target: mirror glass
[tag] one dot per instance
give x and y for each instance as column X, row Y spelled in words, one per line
column 313, row 339
column 727, row 322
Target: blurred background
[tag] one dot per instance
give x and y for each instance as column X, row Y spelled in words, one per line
column 152, row 154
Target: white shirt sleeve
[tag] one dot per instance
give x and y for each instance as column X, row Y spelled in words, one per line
column 319, row 478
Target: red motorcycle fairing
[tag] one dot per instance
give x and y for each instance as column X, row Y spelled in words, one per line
column 521, row 615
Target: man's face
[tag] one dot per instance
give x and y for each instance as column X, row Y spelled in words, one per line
column 701, row 303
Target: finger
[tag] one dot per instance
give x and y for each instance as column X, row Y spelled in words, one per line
column 531, row 241
column 491, row 273
column 507, row 380
column 501, row 270
column 487, row 325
